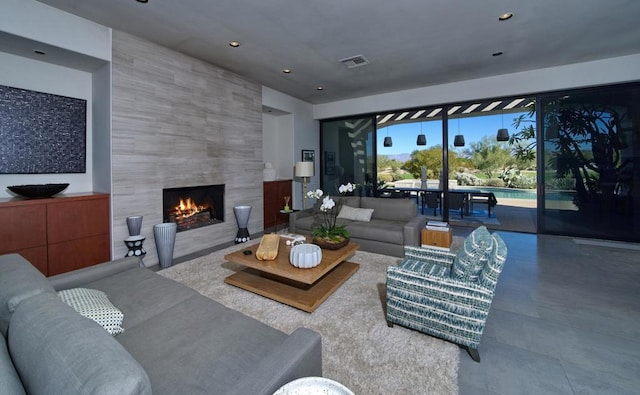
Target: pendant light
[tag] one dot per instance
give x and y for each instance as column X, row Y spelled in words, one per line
column 503, row 134
column 422, row 139
column 458, row 140
column 387, row 140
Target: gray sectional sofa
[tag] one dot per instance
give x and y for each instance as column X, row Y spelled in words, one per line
column 394, row 223
column 176, row 341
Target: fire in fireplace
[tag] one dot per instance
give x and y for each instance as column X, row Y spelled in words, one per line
column 193, row 207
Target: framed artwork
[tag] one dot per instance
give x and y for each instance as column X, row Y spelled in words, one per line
column 329, row 163
column 308, row 155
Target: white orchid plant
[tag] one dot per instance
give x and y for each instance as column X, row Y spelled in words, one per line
column 330, row 210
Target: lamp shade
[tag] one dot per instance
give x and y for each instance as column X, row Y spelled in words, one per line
column 503, row 135
column 388, row 142
column 458, row 141
column 304, row 169
column 422, row 139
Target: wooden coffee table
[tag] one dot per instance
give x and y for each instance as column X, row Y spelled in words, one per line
column 279, row 280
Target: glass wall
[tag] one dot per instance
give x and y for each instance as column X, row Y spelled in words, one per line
column 591, row 162
column 347, row 154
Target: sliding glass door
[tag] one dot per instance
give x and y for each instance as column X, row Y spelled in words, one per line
column 591, row 163
column 347, row 154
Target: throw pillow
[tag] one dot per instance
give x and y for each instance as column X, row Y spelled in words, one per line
column 355, row 214
column 473, row 255
column 95, row 305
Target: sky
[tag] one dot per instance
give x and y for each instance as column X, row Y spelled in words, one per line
column 472, row 128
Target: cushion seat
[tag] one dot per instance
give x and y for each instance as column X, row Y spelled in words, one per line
column 377, row 229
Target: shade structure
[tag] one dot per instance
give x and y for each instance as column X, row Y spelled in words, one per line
column 388, row 142
column 458, row 141
column 503, row 135
column 422, row 139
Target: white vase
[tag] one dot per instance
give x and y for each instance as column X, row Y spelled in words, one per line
column 165, row 237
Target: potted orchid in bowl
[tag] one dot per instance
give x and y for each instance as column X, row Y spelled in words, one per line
column 329, row 235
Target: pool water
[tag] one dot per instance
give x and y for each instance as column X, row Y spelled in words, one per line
column 528, row 194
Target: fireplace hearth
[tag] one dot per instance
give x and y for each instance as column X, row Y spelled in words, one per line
column 193, row 207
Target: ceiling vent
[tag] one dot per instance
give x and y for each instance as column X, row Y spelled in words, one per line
column 354, row 61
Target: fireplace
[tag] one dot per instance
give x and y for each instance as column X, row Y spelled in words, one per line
column 193, row 207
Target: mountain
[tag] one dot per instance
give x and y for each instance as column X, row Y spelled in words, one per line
column 399, row 157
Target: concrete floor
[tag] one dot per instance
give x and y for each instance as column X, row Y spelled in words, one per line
column 565, row 320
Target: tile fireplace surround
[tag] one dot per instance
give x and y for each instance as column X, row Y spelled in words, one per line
column 178, row 122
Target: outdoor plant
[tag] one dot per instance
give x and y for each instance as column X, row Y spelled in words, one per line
column 467, row 179
column 330, row 210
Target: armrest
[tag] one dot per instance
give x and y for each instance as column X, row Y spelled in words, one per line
column 293, row 217
column 299, row 356
column 439, row 290
column 412, row 229
column 85, row 275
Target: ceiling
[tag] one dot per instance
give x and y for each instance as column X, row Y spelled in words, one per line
column 408, row 43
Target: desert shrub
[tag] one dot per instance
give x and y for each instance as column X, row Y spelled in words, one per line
column 384, row 177
column 494, row 182
column 561, row 183
column 467, row 179
column 525, row 183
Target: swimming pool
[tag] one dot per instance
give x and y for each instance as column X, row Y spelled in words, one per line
column 528, row 194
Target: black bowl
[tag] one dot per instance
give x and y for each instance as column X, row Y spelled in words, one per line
column 37, row 190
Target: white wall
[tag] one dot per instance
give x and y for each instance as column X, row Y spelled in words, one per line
column 600, row 72
column 24, row 73
column 39, row 22
column 304, row 132
column 277, row 143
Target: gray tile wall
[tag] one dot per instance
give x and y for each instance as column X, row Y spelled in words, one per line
column 179, row 121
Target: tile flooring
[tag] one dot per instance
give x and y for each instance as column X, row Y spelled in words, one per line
column 565, row 320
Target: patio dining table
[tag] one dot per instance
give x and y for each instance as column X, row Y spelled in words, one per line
column 470, row 195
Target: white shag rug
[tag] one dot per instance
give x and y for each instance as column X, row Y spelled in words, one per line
column 359, row 350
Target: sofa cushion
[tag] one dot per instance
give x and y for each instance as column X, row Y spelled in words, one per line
column 57, row 351
column 141, row 294
column 96, row 306
column 355, row 214
column 9, row 379
column 199, row 329
column 473, row 255
column 19, row 280
column 378, row 230
column 390, row 209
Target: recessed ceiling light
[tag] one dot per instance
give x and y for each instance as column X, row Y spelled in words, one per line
column 142, row 1
column 234, row 44
column 505, row 16
column 286, row 71
column 320, row 88
column 39, row 52
column 497, row 53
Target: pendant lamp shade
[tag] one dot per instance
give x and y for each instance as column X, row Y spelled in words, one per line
column 422, row 139
column 503, row 135
column 458, row 141
column 388, row 142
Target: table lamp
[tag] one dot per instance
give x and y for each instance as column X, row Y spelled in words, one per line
column 304, row 170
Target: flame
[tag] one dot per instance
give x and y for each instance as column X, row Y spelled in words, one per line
column 187, row 208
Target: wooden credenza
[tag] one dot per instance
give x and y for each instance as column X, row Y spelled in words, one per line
column 274, row 193
column 57, row 234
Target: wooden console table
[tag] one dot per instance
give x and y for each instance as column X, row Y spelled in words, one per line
column 57, row 234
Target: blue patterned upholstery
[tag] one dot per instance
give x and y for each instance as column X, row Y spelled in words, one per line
column 425, row 293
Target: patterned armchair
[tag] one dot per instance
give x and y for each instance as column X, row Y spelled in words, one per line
column 447, row 295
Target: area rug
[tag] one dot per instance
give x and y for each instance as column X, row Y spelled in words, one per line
column 359, row 350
